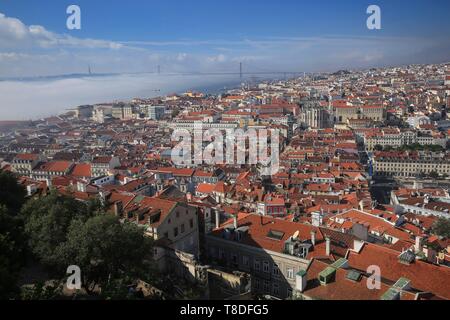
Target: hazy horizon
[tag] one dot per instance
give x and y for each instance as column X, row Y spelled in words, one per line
column 31, row 100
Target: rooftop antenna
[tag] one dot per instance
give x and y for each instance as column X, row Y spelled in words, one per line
column 89, row 70
column 240, row 70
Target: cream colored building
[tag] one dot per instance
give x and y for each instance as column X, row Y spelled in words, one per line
column 410, row 167
column 375, row 113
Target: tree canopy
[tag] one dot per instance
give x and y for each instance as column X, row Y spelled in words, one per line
column 442, row 227
column 12, row 195
column 105, row 249
column 47, row 220
column 12, row 252
column 63, row 231
column 12, row 238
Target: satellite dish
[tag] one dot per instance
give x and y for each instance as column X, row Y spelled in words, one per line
column 296, row 234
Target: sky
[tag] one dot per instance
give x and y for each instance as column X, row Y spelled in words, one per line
column 124, row 37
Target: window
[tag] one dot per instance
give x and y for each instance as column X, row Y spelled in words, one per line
column 266, row 286
column 266, row 266
column 182, row 228
column 175, row 232
column 178, row 214
column 275, row 270
column 191, row 223
column 166, row 235
column 234, row 259
column 275, row 289
column 257, row 284
column 221, row 254
column 290, row 273
column 257, row 265
column 245, row 261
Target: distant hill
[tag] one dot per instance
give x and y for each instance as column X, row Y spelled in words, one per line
column 341, row 73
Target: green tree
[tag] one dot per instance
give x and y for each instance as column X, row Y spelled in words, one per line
column 442, row 227
column 12, row 238
column 12, row 195
column 106, row 250
column 12, row 253
column 47, row 221
column 434, row 175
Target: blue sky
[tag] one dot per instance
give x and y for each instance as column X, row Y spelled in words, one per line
column 214, row 35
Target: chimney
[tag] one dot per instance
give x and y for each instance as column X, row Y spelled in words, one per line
column 313, row 238
column 328, row 246
column 361, row 205
column 235, row 221
column 418, row 245
column 301, row 280
column 217, row 219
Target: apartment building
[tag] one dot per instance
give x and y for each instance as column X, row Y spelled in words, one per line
column 271, row 250
column 395, row 138
column 102, row 166
column 122, row 111
column 173, row 225
column 155, row 112
column 24, row 163
column 410, row 164
column 345, row 112
column 47, row 170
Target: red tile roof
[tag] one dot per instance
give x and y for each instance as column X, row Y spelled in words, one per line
column 27, row 156
column 260, row 226
column 55, row 166
column 342, row 288
column 205, row 188
column 424, row 276
column 81, row 170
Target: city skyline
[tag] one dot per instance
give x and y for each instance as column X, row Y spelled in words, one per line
column 231, row 153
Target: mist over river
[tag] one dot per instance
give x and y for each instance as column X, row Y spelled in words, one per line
column 33, row 99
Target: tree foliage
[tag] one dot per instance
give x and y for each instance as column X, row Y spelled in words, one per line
column 12, row 195
column 442, row 227
column 12, row 238
column 63, row 232
column 12, row 253
column 47, row 221
column 105, row 249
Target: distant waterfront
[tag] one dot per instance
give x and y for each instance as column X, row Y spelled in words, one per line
column 36, row 98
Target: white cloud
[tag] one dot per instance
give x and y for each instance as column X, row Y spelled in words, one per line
column 218, row 58
column 34, row 50
column 15, row 34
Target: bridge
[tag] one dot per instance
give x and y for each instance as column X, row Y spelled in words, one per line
column 239, row 72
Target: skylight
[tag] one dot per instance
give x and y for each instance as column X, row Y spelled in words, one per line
column 276, row 235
